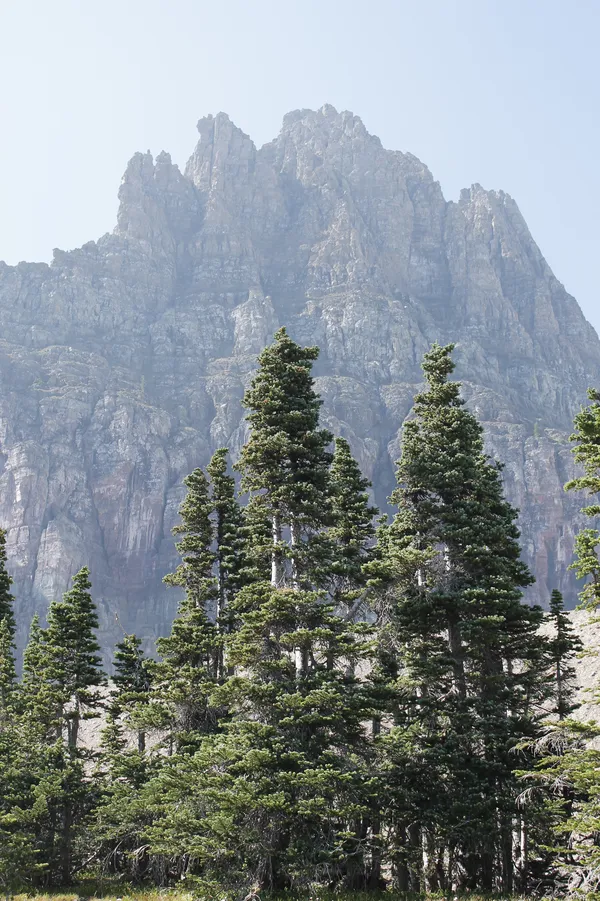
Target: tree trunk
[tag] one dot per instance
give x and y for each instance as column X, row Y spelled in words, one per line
column 300, row 655
column 487, row 870
column 276, row 561
column 507, row 858
column 73, row 728
column 374, row 880
column 414, row 857
column 455, row 642
column 524, row 857
column 559, row 691
column 458, row 663
column 295, row 543
column 65, row 849
column 400, row 871
column 429, row 862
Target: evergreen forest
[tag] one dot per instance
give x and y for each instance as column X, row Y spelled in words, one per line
column 345, row 703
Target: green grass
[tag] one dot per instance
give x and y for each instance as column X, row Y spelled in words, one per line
column 126, row 894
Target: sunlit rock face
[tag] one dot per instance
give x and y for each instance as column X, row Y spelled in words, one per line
column 123, row 363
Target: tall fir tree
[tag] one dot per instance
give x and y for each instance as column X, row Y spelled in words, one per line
column 132, row 687
column 283, row 794
column 285, row 463
column 229, row 537
column 23, row 763
column 567, row 770
column 32, row 678
column 63, row 683
column 586, row 450
column 352, row 531
column 471, row 663
column 563, row 646
column 124, row 767
column 70, row 662
column 189, row 669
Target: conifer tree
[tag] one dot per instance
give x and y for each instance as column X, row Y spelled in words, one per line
column 229, row 536
column 189, row 669
column 19, row 861
column 352, row 530
column 62, row 686
column 563, row 645
column 23, row 760
column 70, row 662
column 280, row 796
column 132, row 686
column 586, row 451
column 285, row 463
column 548, row 793
column 123, row 771
column 470, row 659
column 32, row 679
column 283, row 794
column 567, row 770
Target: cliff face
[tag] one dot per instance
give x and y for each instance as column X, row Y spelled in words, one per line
column 122, row 364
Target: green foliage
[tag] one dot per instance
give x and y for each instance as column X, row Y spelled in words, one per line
column 286, row 453
column 229, row 533
column 228, row 527
column 8, row 675
column 469, row 662
column 352, row 531
column 70, row 662
column 334, row 707
column 130, row 696
column 19, row 860
column 565, row 781
column 283, row 793
column 7, row 614
column 189, row 669
column 277, row 796
column 285, row 463
column 562, row 647
column 586, row 438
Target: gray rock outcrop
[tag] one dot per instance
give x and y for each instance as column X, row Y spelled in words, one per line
column 122, row 364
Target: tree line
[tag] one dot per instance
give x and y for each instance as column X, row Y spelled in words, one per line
column 342, row 700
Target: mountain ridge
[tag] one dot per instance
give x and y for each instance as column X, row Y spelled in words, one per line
column 123, row 362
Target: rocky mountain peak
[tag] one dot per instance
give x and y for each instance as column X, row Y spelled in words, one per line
column 123, row 364
column 222, row 153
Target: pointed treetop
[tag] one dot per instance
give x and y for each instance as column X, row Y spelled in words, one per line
column 72, row 648
column 556, row 602
column 438, row 363
column 286, row 454
column 222, row 483
column 31, row 655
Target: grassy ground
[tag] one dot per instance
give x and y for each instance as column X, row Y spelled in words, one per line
column 174, row 895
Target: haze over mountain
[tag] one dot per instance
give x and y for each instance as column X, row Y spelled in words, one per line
column 123, row 362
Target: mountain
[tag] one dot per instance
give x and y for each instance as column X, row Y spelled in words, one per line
column 122, row 364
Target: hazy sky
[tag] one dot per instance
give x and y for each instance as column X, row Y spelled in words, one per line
column 501, row 92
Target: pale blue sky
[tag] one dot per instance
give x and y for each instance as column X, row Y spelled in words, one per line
column 502, row 93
